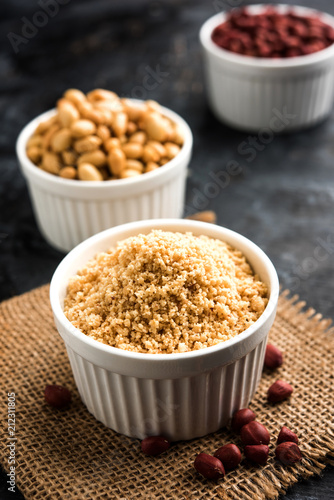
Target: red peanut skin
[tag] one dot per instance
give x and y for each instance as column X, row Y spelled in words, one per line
column 288, row 453
column 271, row 34
column 209, row 466
column 279, row 391
column 254, row 433
column 241, row 418
column 229, row 455
column 57, row 396
column 257, row 453
column 154, row 445
column 286, row 435
column 273, row 357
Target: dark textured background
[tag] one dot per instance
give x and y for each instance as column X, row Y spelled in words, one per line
column 283, row 199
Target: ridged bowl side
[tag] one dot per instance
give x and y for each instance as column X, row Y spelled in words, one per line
column 66, row 222
column 183, row 408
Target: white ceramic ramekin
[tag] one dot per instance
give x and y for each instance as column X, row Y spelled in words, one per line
column 276, row 95
column 70, row 211
column 183, row 395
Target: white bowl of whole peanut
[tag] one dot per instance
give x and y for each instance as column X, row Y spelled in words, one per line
column 165, row 324
column 97, row 161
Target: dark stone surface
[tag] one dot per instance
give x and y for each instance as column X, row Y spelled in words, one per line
column 283, row 199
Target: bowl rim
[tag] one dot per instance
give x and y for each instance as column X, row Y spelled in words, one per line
column 184, row 225
column 43, row 176
column 265, row 62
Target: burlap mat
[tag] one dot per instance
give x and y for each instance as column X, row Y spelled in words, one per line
column 69, row 455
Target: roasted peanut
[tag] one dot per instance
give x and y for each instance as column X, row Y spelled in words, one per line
column 128, row 172
column 139, row 137
column 150, row 166
column 81, row 128
column 103, row 132
column 61, row 140
column 101, row 95
column 116, row 161
column 120, row 123
column 150, row 154
column 155, row 127
column 48, row 135
column 112, row 143
column 177, row 136
column 68, row 172
column 88, row 172
column 171, row 149
column 131, row 128
column 134, row 165
column 75, row 96
column 51, row 163
column 120, row 136
column 34, row 154
column 67, row 112
column 134, row 110
column 160, row 148
column 35, row 140
column 133, row 150
column 44, row 126
column 88, row 143
column 97, row 158
column 163, row 161
column 69, row 157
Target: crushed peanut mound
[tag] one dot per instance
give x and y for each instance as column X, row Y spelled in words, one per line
column 165, row 292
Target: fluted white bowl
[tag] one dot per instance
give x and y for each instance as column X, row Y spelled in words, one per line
column 275, row 95
column 182, row 395
column 69, row 211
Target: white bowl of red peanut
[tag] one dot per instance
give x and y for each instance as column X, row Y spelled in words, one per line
column 269, row 67
column 165, row 324
column 97, row 161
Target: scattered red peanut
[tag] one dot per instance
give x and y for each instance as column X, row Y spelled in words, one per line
column 241, row 418
column 287, row 435
column 272, row 33
column 209, row 466
column 288, row 453
column 229, row 455
column 273, row 357
column 279, row 391
column 254, row 433
column 154, row 445
column 257, row 453
column 57, row 396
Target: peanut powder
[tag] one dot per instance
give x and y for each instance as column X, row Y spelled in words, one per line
column 165, row 292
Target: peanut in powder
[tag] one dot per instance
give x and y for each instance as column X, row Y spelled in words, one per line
column 165, row 292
